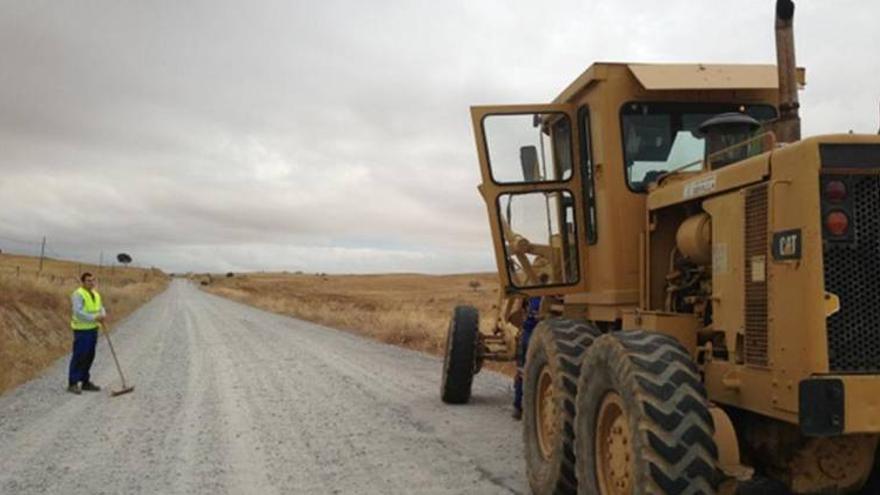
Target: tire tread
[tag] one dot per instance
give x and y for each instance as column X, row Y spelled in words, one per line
column 680, row 430
column 672, row 429
column 569, row 341
column 460, row 363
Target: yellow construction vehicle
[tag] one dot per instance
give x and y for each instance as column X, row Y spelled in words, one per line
column 709, row 283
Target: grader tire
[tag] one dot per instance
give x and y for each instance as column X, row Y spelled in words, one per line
column 549, row 390
column 460, row 362
column 644, row 418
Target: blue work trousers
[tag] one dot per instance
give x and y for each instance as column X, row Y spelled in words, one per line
column 84, row 342
column 532, row 307
column 525, row 336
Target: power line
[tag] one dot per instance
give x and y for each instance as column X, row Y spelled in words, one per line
column 19, row 241
column 41, row 250
column 53, row 253
column 44, row 249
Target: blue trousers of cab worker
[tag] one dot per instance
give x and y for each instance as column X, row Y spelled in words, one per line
column 529, row 324
column 84, row 343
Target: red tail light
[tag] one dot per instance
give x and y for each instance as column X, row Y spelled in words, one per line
column 835, row 191
column 837, row 223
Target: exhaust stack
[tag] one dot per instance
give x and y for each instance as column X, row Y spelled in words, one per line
column 788, row 127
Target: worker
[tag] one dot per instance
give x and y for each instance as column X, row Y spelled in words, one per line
column 87, row 315
column 530, row 321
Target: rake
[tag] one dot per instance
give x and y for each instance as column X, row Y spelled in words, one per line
column 125, row 388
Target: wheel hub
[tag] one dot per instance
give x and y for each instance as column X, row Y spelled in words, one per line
column 546, row 414
column 613, row 442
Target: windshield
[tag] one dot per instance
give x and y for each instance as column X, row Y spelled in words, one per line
column 659, row 137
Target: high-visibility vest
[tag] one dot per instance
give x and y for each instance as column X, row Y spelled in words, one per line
column 91, row 305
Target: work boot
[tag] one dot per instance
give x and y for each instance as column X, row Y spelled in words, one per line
column 90, row 387
column 74, row 389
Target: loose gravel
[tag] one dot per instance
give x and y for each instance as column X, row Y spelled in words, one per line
column 232, row 399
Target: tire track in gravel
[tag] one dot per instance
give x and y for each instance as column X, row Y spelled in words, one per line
column 231, row 399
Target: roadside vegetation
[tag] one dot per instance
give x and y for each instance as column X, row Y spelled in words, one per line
column 35, row 308
column 407, row 310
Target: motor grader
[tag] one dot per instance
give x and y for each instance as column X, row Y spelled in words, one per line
column 709, row 283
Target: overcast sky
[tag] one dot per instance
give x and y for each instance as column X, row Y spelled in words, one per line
column 331, row 136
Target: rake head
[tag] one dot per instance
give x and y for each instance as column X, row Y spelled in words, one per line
column 124, row 390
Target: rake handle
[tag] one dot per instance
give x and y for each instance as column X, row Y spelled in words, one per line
column 106, row 332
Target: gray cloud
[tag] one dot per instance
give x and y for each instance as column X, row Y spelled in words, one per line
column 330, row 136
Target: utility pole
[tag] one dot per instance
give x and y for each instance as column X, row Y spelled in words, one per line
column 42, row 253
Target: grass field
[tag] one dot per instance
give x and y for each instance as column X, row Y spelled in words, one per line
column 408, row 310
column 35, row 308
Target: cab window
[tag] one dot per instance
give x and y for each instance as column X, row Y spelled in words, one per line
column 659, row 137
column 528, row 147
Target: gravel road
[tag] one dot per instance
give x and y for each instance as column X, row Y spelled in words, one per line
column 232, row 399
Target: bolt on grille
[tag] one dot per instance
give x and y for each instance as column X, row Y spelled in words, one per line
column 852, row 271
column 756, row 339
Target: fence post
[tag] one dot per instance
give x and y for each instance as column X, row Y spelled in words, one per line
column 42, row 253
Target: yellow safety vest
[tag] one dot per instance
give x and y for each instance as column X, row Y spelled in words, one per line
column 91, row 305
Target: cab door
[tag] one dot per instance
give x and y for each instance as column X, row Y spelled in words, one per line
column 532, row 183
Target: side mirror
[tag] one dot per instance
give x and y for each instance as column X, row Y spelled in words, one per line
column 528, row 158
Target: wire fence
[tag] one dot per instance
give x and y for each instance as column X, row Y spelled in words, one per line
column 37, row 260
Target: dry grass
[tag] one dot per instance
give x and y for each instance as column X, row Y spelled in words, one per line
column 35, row 309
column 406, row 310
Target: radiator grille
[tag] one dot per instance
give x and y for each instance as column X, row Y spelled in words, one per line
column 852, row 271
column 756, row 245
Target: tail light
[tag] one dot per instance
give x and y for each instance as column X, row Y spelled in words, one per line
column 835, row 191
column 837, row 223
column 837, row 208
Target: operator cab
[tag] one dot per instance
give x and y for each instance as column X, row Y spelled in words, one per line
column 566, row 183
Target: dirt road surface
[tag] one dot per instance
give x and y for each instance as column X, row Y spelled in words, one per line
column 231, row 399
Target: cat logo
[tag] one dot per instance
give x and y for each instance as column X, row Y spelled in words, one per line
column 787, row 245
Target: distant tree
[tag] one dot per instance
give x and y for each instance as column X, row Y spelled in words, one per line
column 230, row 275
column 123, row 258
column 474, row 284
